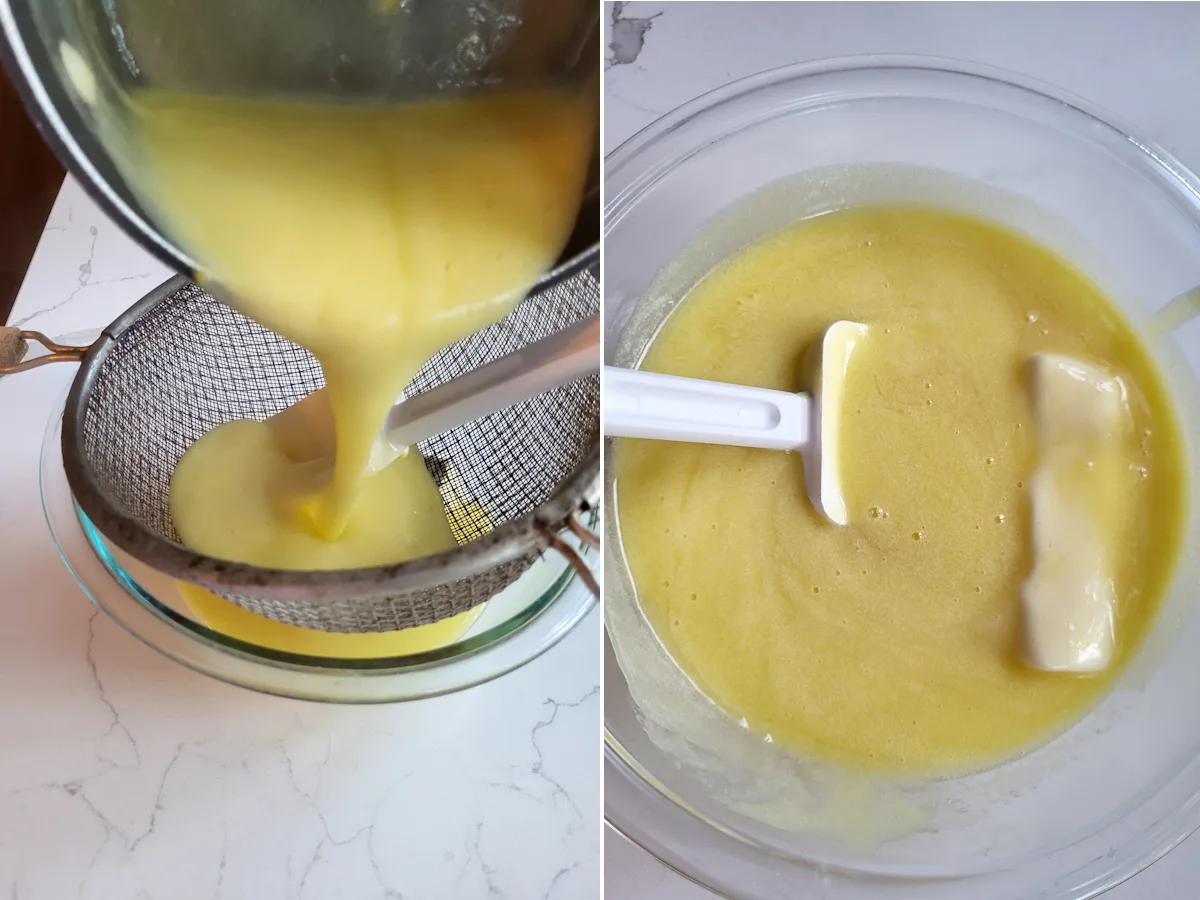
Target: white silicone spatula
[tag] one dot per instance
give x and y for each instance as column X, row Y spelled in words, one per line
column 667, row 407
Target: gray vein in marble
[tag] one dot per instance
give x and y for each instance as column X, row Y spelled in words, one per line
column 85, row 274
column 561, row 873
column 628, row 37
column 345, row 841
column 75, row 293
column 240, row 764
column 538, row 767
column 85, row 268
column 312, row 864
column 466, row 864
column 389, row 892
column 221, row 867
column 511, row 786
column 158, row 799
column 110, row 827
column 287, row 761
column 488, row 871
column 612, row 92
column 312, row 802
column 87, row 870
column 74, row 789
column 85, row 279
column 117, row 724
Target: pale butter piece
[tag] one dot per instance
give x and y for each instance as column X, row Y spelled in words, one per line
column 1078, row 500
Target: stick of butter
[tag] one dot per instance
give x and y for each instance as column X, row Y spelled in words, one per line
column 1078, row 499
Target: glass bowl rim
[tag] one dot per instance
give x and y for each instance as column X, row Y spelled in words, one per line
column 209, row 641
column 878, row 62
column 619, row 763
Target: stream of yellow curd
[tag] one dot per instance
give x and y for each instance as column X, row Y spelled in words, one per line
column 372, row 236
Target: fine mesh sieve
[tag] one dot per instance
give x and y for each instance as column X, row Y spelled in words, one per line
column 179, row 363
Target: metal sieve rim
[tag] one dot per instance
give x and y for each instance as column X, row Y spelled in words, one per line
column 534, row 531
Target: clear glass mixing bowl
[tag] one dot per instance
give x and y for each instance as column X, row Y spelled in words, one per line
column 1098, row 802
column 516, row 626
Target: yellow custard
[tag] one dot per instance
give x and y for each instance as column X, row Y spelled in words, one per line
column 228, row 618
column 372, row 236
column 893, row 643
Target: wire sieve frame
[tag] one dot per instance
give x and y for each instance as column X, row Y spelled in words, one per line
column 512, row 542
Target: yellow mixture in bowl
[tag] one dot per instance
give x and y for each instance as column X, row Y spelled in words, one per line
column 372, row 236
column 893, row 643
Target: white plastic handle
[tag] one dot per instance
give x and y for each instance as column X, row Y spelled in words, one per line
column 666, row 407
column 543, row 365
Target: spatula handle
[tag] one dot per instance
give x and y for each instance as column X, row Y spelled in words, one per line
column 667, row 407
column 562, row 357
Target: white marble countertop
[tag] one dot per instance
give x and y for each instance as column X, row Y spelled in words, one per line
column 124, row 776
column 1138, row 60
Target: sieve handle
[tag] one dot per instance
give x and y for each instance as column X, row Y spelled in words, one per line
column 14, row 344
column 573, row 557
column 564, row 356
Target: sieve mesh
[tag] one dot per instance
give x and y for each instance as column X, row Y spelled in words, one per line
column 188, row 363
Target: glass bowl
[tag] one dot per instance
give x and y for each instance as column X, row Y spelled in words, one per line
column 1113, row 792
column 516, row 626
